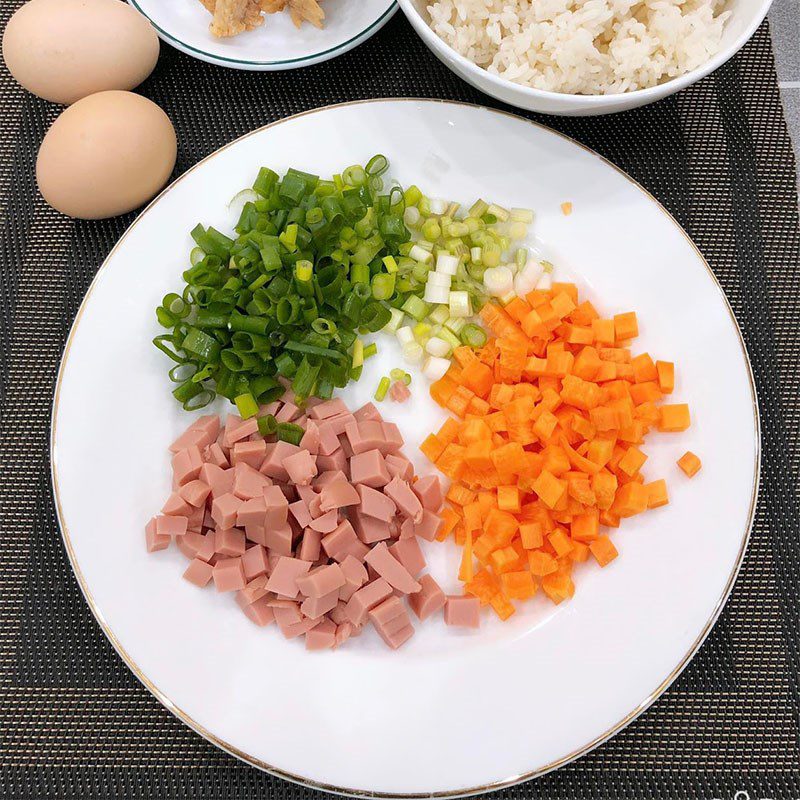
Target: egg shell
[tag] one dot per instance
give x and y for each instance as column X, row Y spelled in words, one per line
column 105, row 155
column 63, row 50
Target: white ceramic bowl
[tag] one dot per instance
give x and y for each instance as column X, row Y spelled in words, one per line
column 747, row 16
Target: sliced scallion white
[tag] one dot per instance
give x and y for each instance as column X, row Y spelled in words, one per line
column 405, row 335
column 460, row 304
column 498, row 281
column 446, row 264
column 413, row 353
column 436, row 346
column 396, row 319
column 419, row 253
column 435, row 368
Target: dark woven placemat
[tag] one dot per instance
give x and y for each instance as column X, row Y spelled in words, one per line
column 75, row 723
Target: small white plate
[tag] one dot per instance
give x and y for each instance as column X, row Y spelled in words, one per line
column 451, row 712
column 277, row 44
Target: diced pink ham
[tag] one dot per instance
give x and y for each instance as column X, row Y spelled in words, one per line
column 259, row 612
column 355, row 576
column 407, row 530
column 287, row 413
column 279, row 540
column 277, row 507
column 329, row 408
column 299, row 510
column 365, row 436
column 252, row 591
column 357, row 549
column 427, row 527
column 224, row 510
column 375, row 504
column 276, row 455
column 365, row 599
column 301, row 467
column 369, row 529
column 368, row 412
column 229, row 542
column 322, row 636
column 286, row 614
column 328, row 477
column 176, row 506
column 339, row 539
column 283, row 579
column 198, row 572
column 337, row 460
column 186, row 464
column 409, row 554
column 462, row 611
column 338, row 494
column 310, row 440
column 220, row 480
column 171, row 526
column 252, row 512
column 344, row 443
column 252, row 453
column 326, row 523
column 399, row 466
column 338, row 423
column 429, row 491
column 392, row 436
column 344, row 631
column 391, row 570
column 208, row 547
column 195, row 493
column 189, row 544
column 310, row 547
column 159, row 541
column 328, row 439
column 407, row 502
column 399, row 392
column 370, row 469
column 255, row 562
column 428, row 600
column 315, row 607
column 214, row 454
column 248, row 482
column 228, row 575
column 190, row 438
column 304, row 626
column 321, row 581
column 392, row 622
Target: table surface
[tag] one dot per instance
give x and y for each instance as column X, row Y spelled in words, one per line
column 784, row 20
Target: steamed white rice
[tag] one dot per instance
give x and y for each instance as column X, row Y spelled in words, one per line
column 582, row 46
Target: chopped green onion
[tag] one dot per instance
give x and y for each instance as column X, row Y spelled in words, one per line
column 473, row 336
column 383, row 388
column 415, row 307
column 390, row 264
column 267, row 425
column 370, row 350
column 357, row 358
column 289, row 432
column 247, row 405
column 395, row 320
column 440, row 314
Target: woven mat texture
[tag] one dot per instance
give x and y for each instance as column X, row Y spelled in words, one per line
column 75, row 723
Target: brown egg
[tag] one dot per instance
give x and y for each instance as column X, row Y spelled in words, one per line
column 105, row 155
column 63, row 50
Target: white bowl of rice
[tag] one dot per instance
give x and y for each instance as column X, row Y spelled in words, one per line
column 583, row 57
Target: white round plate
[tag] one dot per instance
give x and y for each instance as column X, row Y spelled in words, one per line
column 277, row 44
column 451, row 712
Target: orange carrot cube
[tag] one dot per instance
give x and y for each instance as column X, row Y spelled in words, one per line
column 689, row 463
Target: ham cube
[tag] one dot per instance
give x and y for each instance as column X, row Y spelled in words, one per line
column 253, row 590
column 283, row 580
column 310, row 440
column 391, row 570
column 224, row 510
column 220, row 480
column 248, row 482
column 365, row 436
column 428, row 525
column 279, row 540
column 252, row 512
column 176, row 506
column 392, row 622
column 370, row 469
column 429, row 492
column 277, row 507
column 287, row 413
column 355, row 576
column 300, row 512
column 215, row 455
column 399, row 392
column 237, row 429
column 259, row 612
column 338, row 540
column 301, row 467
column 228, row 575
column 251, row 453
column 255, row 562
column 392, row 437
column 344, row 631
column 407, row 502
column 337, row 460
column 409, row 554
column 376, row 504
column 315, row 607
column 171, row 526
column 321, row 581
column 277, row 453
column 186, row 464
column 303, row 627
column 368, row 412
column 326, row 478
column 195, row 493
column 365, row 599
column 369, row 529
column 399, row 467
column 229, row 542
column 327, row 523
column 462, row 611
column 428, row 600
column 322, row 636
column 329, row 408
column 338, row 494
column 158, row 541
column 198, row 572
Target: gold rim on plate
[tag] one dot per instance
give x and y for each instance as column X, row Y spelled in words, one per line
column 503, row 782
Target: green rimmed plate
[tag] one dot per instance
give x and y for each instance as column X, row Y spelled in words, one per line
column 277, row 44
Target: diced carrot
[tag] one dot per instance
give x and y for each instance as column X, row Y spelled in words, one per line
column 449, row 521
column 442, row 389
column 451, row 461
column 603, row 330
column 472, row 517
column 603, row 550
column 632, row 461
column 632, row 498
column 674, row 418
column 432, row 447
column 459, row 495
column 644, row 369
column 657, row 493
column 558, row 586
column 504, row 559
column 665, row 371
column 585, row 527
column 541, row 564
column 689, row 463
column 518, row 585
column 531, row 535
column 549, row 488
column 647, row 392
column 560, row 542
column 466, row 570
column 483, row 586
column 580, row 551
column 626, row 326
column 501, row 605
column 449, row 430
column 501, row 525
column 508, row 498
column 517, row 309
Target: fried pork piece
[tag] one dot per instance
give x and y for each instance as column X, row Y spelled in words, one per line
column 299, row 10
column 232, row 17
